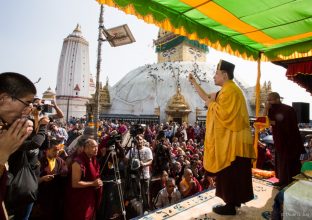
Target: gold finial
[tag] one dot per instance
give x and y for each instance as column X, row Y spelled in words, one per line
column 78, row 28
column 177, row 101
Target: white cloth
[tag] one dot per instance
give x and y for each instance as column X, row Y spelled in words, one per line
column 145, row 155
column 298, row 201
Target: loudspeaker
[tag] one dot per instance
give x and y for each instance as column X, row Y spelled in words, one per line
column 303, row 111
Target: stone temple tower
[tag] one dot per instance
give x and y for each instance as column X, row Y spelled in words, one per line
column 73, row 78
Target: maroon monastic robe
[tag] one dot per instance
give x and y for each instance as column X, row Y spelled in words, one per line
column 287, row 142
column 81, row 203
column 51, row 193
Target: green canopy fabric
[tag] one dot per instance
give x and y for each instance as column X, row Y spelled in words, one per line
column 278, row 29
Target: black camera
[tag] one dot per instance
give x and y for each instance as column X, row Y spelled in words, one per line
column 41, row 108
column 136, row 129
column 114, row 139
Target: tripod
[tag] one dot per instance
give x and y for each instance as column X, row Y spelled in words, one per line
column 117, row 180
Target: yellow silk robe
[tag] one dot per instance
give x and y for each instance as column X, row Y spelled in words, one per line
column 228, row 132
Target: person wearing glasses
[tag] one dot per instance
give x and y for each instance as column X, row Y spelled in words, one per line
column 20, row 205
column 16, row 96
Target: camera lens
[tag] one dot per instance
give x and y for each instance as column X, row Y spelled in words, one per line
column 39, row 107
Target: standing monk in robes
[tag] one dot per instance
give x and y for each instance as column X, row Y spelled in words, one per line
column 84, row 191
column 229, row 148
column 53, row 173
column 287, row 140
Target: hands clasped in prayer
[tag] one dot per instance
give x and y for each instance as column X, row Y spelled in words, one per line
column 13, row 137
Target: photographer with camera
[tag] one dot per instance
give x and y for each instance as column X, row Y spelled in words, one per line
column 162, row 159
column 139, row 159
column 40, row 116
column 111, row 156
column 46, row 104
column 112, row 143
column 43, row 108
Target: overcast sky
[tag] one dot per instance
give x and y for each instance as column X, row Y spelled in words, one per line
column 32, row 34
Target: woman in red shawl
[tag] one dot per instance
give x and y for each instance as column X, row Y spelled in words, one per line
column 85, row 186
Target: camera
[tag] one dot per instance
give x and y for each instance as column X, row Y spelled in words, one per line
column 113, row 140
column 136, row 129
column 39, row 107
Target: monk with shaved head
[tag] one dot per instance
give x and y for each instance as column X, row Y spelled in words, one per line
column 287, row 140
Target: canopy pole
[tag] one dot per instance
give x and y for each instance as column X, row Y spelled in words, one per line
column 98, row 72
column 258, row 88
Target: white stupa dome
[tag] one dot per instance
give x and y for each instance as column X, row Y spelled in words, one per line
column 163, row 89
column 150, row 87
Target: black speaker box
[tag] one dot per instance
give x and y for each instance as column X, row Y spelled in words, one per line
column 303, row 111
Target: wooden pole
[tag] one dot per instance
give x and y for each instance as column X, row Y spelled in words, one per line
column 98, row 72
column 258, row 88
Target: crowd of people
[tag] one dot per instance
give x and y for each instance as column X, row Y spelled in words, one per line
column 56, row 170
column 154, row 173
column 52, row 169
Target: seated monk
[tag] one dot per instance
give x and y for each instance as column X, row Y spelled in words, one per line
column 189, row 184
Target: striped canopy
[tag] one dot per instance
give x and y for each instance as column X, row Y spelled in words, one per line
column 276, row 29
